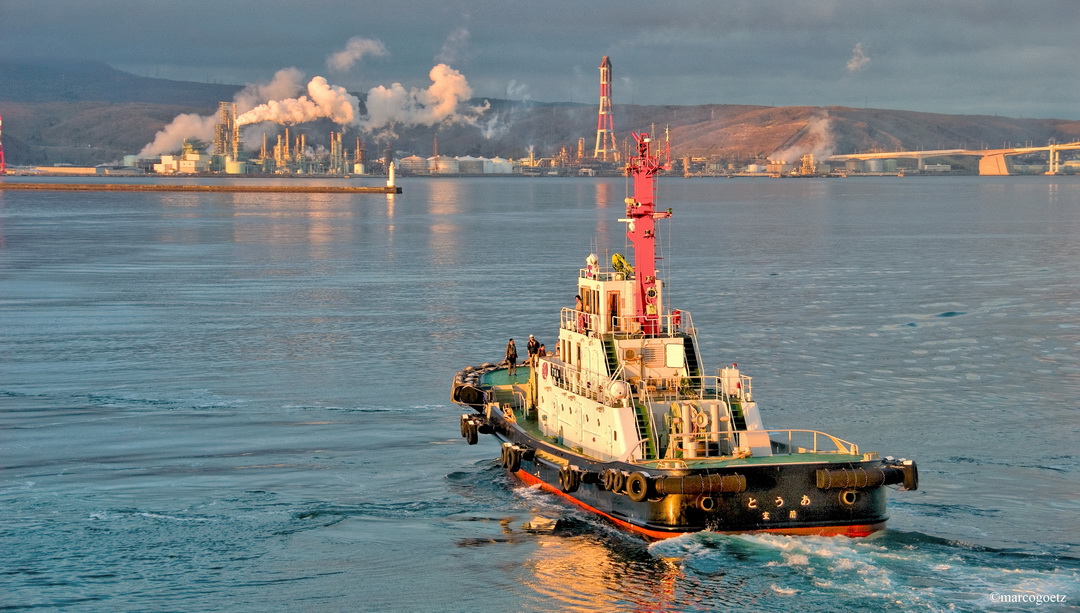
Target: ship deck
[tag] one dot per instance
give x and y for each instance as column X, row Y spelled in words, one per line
column 501, row 380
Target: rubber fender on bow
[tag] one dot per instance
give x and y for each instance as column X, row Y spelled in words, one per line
column 639, row 486
column 511, row 457
column 858, row 477
column 470, row 428
column 569, row 479
column 467, row 394
column 700, row 484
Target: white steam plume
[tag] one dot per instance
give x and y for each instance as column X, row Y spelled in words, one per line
column 277, row 101
column 858, row 60
column 183, row 127
column 815, row 138
column 454, row 46
column 439, row 102
column 323, row 101
column 286, row 83
column 355, row 50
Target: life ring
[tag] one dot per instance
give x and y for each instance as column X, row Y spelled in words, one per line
column 638, row 486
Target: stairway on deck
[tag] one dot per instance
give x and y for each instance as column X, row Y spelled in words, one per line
column 693, row 368
column 612, row 352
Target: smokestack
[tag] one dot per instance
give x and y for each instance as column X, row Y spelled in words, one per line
column 235, row 135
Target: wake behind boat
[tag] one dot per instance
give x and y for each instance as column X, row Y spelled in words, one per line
column 622, row 419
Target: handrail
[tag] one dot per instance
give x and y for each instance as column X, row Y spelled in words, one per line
column 649, row 415
column 707, row 387
column 672, row 323
column 523, row 404
column 841, row 445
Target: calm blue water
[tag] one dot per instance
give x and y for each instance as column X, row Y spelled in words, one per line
column 238, row 402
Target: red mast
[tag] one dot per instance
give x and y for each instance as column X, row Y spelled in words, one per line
column 641, row 230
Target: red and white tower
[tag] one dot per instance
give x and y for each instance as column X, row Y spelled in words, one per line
column 3, row 165
column 605, row 128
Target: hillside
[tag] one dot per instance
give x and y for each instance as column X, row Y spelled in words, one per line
column 87, row 113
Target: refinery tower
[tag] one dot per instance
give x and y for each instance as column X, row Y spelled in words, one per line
column 605, row 127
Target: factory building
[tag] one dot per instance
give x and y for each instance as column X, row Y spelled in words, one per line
column 458, row 165
column 188, row 162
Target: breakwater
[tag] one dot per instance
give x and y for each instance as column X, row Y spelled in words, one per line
column 139, row 187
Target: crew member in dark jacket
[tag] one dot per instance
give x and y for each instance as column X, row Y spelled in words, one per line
column 511, row 357
column 533, row 348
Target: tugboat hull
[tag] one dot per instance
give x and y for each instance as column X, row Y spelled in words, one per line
column 740, row 496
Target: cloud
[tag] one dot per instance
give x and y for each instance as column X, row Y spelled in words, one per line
column 858, row 60
column 355, row 50
column 453, row 47
column 518, row 91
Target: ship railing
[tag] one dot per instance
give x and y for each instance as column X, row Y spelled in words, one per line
column 728, row 443
column 671, row 324
column 581, row 322
column 594, row 386
column 794, row 442
column 728, row 387
column 594, row 272
column 519, row 401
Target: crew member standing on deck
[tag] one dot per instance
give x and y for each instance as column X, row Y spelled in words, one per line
column 511, row 357
column 533, row 347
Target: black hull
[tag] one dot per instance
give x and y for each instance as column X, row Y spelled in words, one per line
column 791, row 498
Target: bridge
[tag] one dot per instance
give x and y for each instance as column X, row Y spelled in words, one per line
column 991, row 161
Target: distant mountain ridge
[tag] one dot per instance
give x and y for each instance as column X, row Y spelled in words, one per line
column 50, row 80
column 89, row 113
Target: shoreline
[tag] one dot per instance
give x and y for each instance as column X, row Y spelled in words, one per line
column 124, row 187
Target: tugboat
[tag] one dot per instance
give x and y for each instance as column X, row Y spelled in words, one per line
column 623, row 420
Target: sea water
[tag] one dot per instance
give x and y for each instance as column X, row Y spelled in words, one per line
column 239, row 402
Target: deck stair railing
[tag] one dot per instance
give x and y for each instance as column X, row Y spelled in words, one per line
column 646, row 428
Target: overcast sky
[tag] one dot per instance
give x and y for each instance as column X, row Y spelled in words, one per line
column 994, row 57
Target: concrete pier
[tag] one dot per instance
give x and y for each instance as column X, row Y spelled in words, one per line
column 179, row 187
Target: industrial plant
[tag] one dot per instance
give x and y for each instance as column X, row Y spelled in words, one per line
column 318, row 146
column 291, row 155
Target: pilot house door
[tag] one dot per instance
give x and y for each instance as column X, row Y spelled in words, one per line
column 613, row 310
